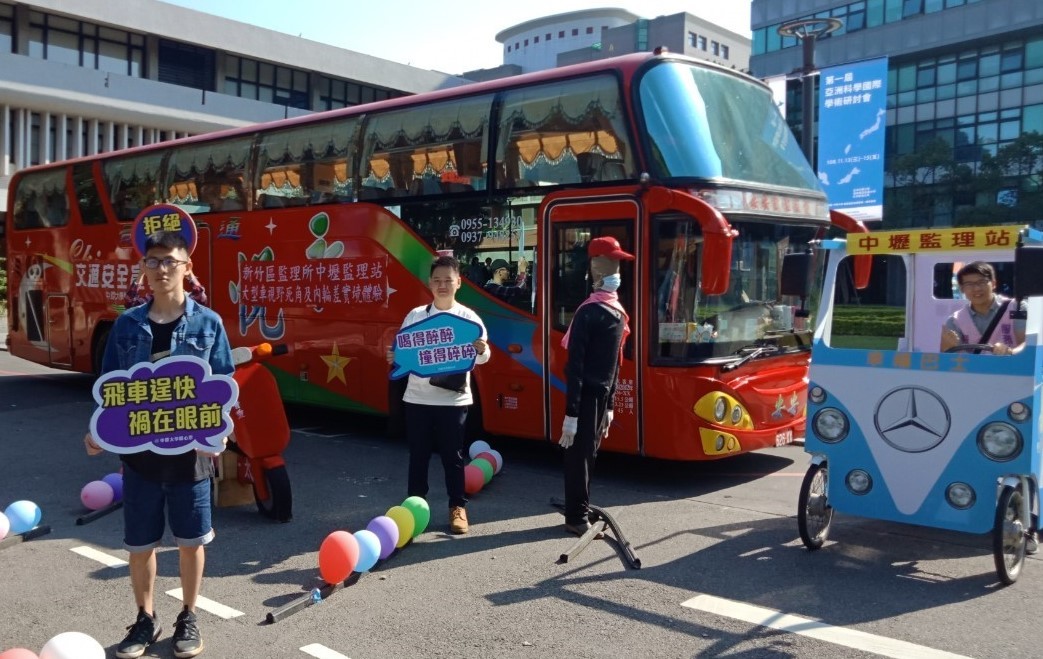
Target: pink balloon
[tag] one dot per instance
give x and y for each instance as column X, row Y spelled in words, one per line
column 96, row 495
column 474, row 479
column 5, row 526
column 18, row 653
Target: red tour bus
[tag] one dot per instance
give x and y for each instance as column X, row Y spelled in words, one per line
column 319, row 231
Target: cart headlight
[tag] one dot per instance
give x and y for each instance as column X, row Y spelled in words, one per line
column 736, row 415
column 830, row 425
column 859, row 481
column 816, row 394
column 720, row 409
column 999, row 441
column 1018, row 411
column 960, row 495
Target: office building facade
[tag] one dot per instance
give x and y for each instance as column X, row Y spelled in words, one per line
column 88, row 77
column 964, row 103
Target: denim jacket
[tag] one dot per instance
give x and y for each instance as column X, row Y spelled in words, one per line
column 198, row 333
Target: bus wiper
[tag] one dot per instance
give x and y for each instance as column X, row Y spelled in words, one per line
column 751, row 352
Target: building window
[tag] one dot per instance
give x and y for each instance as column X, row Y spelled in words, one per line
column 6, row 28
column 692, row 39
column 526, row 42
column 702, row 43
column 547, row 38
column 590, row 30
column 715, row 48
column 575, row 31
column 186, row 65
column 72, row 42
column 724, row 51
column 561, row 34
column 265, row 82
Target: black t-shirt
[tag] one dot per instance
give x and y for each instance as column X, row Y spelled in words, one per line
column 183, row 467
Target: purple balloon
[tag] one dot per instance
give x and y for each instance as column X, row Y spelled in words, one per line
column 386, row 531
column 115, row 481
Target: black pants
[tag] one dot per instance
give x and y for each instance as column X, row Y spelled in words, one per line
column 436, row 428
column 579, row 458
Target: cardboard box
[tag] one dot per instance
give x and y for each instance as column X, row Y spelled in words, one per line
column 229, row 491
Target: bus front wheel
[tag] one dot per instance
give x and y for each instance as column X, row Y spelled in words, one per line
column 1008, row 536
column 814, row 513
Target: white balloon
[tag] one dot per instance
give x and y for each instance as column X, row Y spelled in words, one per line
column 72, row 645
column 499, row 461
column 477, row 447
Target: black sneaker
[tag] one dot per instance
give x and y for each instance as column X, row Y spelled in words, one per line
column 140, row 635
column 186, row 639
column 581, row 528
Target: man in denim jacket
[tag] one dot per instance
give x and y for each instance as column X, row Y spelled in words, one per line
column 171, row 324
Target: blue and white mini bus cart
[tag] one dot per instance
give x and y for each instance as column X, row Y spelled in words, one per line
column 946, row 440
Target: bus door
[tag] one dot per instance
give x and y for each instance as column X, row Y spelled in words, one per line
column 59, row 331
column 569, row 223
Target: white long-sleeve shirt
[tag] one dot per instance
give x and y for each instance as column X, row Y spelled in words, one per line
column 422, row 392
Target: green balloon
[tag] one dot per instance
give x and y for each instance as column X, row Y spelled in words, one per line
column 487, row 469
column 420, row 511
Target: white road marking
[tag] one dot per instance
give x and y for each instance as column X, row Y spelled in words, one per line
column 851, row 638
column 208, row 605
column 321, row 651
column 100, row 556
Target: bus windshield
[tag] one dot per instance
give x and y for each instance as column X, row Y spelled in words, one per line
column 703, row 124
column 693, row 327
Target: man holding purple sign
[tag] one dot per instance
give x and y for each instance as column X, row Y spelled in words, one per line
column 438, row 354
column 167, row 441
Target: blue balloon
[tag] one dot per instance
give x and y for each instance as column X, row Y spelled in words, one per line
column 115, row 481
column 369, row 550
column 23, row 515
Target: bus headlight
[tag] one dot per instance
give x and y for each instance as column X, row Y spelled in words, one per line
column 816, row 394
column 830, row 425
column 859, row 481
column 720, row 409
column 960, row 495
column 1018, row 411
column 999, row 441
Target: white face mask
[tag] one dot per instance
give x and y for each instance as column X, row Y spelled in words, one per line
column 611, row 283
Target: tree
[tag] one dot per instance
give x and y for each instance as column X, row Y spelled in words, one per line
column 917, row 176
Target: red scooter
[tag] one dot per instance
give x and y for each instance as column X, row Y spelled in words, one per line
column 261, row 432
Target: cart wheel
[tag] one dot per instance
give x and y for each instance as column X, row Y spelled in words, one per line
column 279, row 504
column 814, row 513
column 1008, row 536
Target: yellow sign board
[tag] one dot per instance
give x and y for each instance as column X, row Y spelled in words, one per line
column 934, row 240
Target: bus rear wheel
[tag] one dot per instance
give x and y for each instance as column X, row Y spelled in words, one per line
column 814, row 514
column 1008, row 536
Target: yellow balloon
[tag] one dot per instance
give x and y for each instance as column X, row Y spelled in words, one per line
column 404, row 521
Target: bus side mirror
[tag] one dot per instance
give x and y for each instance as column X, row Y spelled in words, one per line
column 795, row 275
column 1028, row 272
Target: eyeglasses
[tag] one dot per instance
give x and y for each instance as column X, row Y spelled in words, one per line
column 152, row 263
column 975, row 283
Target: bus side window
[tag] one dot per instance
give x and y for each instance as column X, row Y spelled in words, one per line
column 212, row 172
column 306, row 165
column 41, row 200
column 132, row 183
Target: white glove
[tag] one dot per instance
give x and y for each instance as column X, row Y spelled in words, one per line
column 607, row 423
column 568, row 431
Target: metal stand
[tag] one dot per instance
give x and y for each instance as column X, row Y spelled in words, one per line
column 19, row 538
column 98, row 514
column 305, row 601
column 601, row 519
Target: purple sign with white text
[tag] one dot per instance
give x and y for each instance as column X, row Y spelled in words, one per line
column 172, row 406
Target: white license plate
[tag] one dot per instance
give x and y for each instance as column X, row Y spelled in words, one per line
column 784, row 437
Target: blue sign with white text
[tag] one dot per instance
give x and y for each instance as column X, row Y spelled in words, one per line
column 437, row 345
column 852, row 111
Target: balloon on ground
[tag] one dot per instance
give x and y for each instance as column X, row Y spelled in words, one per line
column 486, row 467
column 474, row 479
column 387, row 532
column 23, row 516
column 5, row 527
column 490, row 458
column 115, row 481
column 18, row 653
column 72, row 645
column 499, row 460
column 477, row 447
column 369, row 550
column 404, row 521
column 95, row 495
column 421, row 512
column 338, row 556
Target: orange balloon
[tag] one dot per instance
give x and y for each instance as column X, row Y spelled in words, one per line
column 474, row 479
column 338, row 555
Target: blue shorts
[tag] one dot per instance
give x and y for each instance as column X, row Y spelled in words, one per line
column 187, row 507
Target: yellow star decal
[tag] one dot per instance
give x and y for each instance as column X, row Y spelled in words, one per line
column 336, row 364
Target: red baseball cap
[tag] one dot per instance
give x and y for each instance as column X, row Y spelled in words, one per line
column 608, row 246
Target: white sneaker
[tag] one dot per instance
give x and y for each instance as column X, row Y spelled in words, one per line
column 1031, row 544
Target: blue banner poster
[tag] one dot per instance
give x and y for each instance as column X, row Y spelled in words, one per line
column 852, row 110
column 437, row 345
